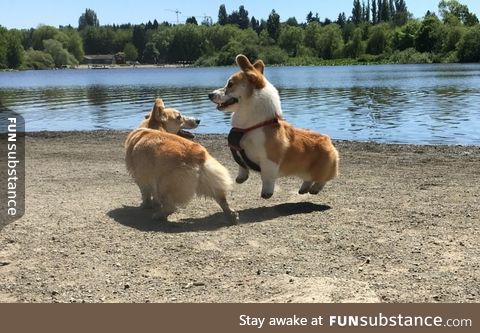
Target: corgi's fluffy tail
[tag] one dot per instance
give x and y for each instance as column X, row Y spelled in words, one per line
column 214, row 180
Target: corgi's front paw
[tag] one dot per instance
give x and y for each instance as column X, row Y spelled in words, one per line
column 241, row 179
column 267, row 195
column 232, row 217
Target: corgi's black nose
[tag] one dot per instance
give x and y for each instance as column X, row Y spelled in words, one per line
column 197, row 121
column 210, row 95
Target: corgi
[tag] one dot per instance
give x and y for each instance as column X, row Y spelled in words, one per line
column 169, row 169
column 261, row 140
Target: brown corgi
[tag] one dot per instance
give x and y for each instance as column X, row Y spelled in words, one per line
column 170, row 170
column 262, row 141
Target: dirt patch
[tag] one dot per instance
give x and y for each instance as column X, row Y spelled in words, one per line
column 400, row 224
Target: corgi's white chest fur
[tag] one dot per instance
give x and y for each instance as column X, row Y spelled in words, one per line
column 263, row 105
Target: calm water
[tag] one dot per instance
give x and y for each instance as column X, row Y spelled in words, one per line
column 430, row 104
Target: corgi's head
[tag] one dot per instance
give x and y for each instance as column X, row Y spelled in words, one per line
column 169, row 120
column 240, row 86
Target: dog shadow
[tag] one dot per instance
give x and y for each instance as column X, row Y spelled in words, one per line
column 141, row 219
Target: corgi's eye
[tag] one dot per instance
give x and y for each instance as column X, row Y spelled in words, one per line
column 179, row 117
column 229, row 84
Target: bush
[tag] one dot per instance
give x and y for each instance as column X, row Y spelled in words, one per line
column 273, row 55
column 131, row 53
column 411, row 56
column 38, row 60
column 61, row 57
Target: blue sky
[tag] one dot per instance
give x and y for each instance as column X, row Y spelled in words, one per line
column 31, row 13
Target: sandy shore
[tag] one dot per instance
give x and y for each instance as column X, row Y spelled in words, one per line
column 401, row 224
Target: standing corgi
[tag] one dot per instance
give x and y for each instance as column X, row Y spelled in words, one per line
column 262, row 141
column 170, row 170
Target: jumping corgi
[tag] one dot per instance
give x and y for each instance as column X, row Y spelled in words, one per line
column 262, row 141
column 169, row 169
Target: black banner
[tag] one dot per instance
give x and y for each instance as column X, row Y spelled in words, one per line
column 12, row 166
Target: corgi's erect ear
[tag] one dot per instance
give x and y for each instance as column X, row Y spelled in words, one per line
column 259, row 66
column 159, row 104
column 157, row 110
column 253, row 72
column 243, row 62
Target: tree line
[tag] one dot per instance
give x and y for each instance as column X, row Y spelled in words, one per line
column 378, row 31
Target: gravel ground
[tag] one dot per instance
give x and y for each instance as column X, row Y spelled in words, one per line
column 400, row 224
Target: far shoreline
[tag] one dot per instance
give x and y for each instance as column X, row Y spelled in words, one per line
column 177, row 66
column 218, row 136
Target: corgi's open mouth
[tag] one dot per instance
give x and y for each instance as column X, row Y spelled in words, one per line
column 185, row 134
column 224, row 105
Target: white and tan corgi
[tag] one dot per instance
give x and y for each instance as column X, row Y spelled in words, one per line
column 262, row 141
column 169, row 169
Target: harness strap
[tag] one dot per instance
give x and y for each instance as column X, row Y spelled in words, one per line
column 236, row 134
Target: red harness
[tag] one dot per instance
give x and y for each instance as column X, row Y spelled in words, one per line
column 236, row 134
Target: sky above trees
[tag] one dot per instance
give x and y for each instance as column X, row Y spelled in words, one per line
column 31, row 13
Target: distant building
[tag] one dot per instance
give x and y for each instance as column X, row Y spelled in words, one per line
column 99, row 60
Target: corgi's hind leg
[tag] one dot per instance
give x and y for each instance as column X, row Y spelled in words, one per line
column 230, row 214
column 305, row 188
column 317, row 187
column 164, row 205
column 242, row 175
column 269, row 174
column 164, row 210
column 146, row 192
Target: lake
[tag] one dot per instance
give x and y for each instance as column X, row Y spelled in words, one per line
column 421, row 104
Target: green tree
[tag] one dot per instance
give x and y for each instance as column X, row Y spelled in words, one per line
column 99, row 40
column 311, row 18
column 162, row 39
column 290, row 39
column 139, row 38
column 273, row 25
column 243, row 20
column 401, row 14
column 74, row 45
column 469, row 46
column 255, row 24
column 222, row 15
column 347, row 31
column 312, row 34
column 61, row 57
column 428, row 38
column 341, row 20
column 378, row 39
column 191, row 20
column 326, row 41
column 449, row 8
column 374, row 12
column 131, row 53
column 88, row 19
column 404, row 37
column 187, row 43
column 42, row 33
column 15, row 50
column 292, row 21
column 3, row 48
column 220, row 35
column 150, row 55
column 366, row 11
column 355, row 48
column 357, row 14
